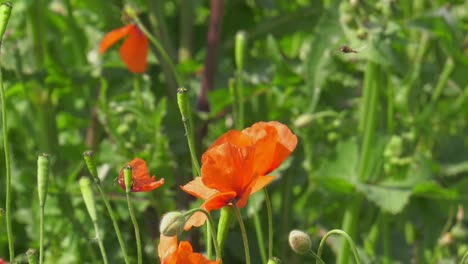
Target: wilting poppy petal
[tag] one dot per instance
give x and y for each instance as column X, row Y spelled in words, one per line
column 142, row 182
column 135, row 50
column 112, row 37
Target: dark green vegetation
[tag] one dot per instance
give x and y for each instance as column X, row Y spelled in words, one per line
column 383, row 148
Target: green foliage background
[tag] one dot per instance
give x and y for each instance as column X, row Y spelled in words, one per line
column 402, row 175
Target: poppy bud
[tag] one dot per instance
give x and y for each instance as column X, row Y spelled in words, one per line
column 88, row 197
column 31, row 254
column 172, row 224
column 91, row 165
column 274, row 260
column 42, row 177
column 299, row 242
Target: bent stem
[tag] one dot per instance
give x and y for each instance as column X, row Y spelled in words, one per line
column 211, row 228
column 243, row 232
column 346, row 236
column 158, row 46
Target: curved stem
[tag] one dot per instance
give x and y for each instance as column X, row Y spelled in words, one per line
column 243, row 232
column 158, row 46
column 135, row 226
column 346, row 236
column 317, row 258
column 258, row 230
column 270, row 223
column 211, row 227
column 464, row 259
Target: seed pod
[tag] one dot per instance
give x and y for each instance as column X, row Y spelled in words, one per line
column 43, row 163
column 299, row 242
column 88, row 197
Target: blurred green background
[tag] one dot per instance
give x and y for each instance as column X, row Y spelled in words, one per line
column 383, row 133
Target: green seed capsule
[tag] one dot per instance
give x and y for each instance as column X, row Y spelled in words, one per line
column 91, row 165
column 5, row 11
column 241, row 43
column 88, row 197
column 128, row 179
column 182, row 101
column 43, row 163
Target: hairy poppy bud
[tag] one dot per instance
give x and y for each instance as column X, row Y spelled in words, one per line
column 274, row 260
column 299, row 242
column 172, row 224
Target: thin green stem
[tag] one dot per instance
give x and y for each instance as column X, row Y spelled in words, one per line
column 346, row 236
column 100, row 243
column 41, row 234
column 114, row 222
column 259, row 232
column 441, row 84
column 5, row 11
column 240, row 102
column 316, row 257
column 270, row 223
column 386, row 240
column 211, row 227
column 158, row 46
column 135, row 226
column 243, row 232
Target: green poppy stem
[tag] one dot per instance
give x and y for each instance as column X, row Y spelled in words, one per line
column 156, row 43
column 270, row 223
column 211, row 227
column 91, row 165
column 243, row 232
column 128, row 188
column 346, row 236
column 5, row 11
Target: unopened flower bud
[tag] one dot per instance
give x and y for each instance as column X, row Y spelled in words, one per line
column 172, row 224
column 274, row 260
column 299, row 242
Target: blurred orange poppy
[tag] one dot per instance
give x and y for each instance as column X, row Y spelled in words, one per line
column 172, row 253
column 235, row 165
column 133, row 51
column 142, row 182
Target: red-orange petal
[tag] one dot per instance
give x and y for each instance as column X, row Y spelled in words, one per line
column 274, row 143
column 196, row 219
column 112, row 37
column 261, row 182
column 142, row 182
column 166, row 248
column 134, row 50
column 198, row 189
column 219, row 200
column 228, row 167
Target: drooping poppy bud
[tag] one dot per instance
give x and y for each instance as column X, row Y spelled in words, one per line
column 172, row 224
column 299, row 242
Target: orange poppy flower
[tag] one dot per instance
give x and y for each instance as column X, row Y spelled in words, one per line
column 235, row 165
column 142, row 182
column 172, row 253
column 133, row 51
